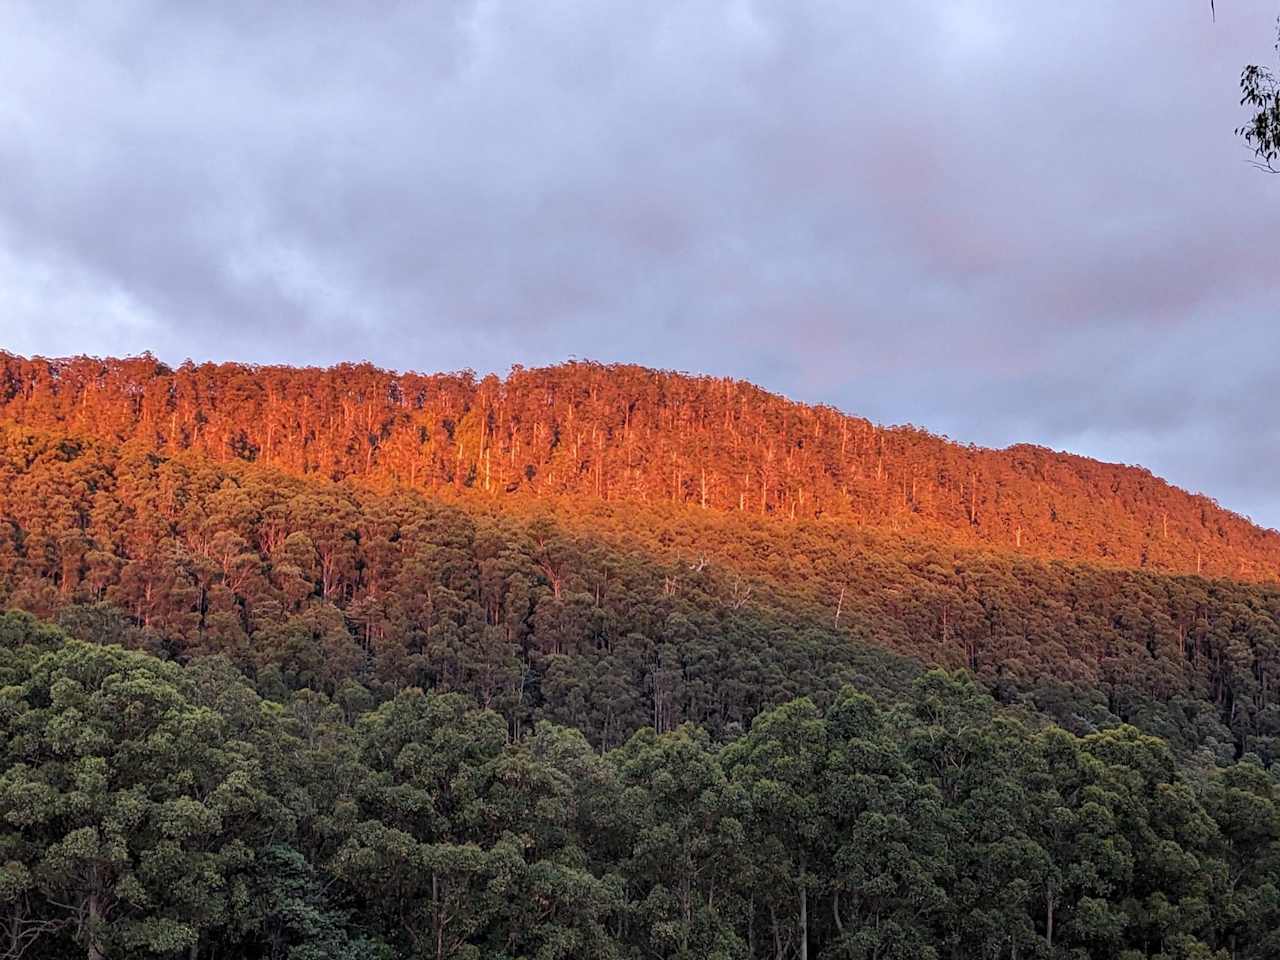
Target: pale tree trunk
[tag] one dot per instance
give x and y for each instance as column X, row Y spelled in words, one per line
column 1048, row 926
column 435, row 916
column 804, row 916
column 95, row 921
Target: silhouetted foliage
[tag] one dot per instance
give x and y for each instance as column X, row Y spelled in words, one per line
column 1260, row 92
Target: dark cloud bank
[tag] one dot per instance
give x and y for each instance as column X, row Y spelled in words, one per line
column 1003, row 221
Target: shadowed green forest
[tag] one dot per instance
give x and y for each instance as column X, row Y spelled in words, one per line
column 151, row 808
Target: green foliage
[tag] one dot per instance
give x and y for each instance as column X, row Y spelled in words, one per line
column 151, row 809
column 134, row 814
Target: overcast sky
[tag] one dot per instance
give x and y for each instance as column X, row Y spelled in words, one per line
column 1004, row 221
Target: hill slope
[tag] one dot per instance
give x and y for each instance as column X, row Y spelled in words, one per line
column 353, row 600
column 609, row 616
column 625, row 433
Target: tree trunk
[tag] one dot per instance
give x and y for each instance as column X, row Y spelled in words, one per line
column 95, row 922
column 804, row 916
column 1048, row 925
column 435, row 916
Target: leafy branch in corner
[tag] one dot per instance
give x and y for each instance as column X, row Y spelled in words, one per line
column 1260, row 92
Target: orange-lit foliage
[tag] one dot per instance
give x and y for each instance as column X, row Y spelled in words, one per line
column 605, row 615
column 625, row 433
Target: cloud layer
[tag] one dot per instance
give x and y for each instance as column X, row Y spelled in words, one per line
column 1004, row 221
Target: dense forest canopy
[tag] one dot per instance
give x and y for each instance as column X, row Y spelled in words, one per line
column 607, row 615
column 601, row 661
column 626, row 433
column 150, row 809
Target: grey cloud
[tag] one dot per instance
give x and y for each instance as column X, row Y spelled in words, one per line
column 1004, row 221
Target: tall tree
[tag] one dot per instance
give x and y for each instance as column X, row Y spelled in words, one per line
column 134, row 811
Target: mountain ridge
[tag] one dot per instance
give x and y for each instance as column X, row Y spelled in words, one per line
column 626, row 432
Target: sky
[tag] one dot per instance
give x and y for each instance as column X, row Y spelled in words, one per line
column 1003, row 221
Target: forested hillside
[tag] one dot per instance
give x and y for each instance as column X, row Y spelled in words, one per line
column 603, row 662
column 608, row 617
column 623, row 433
